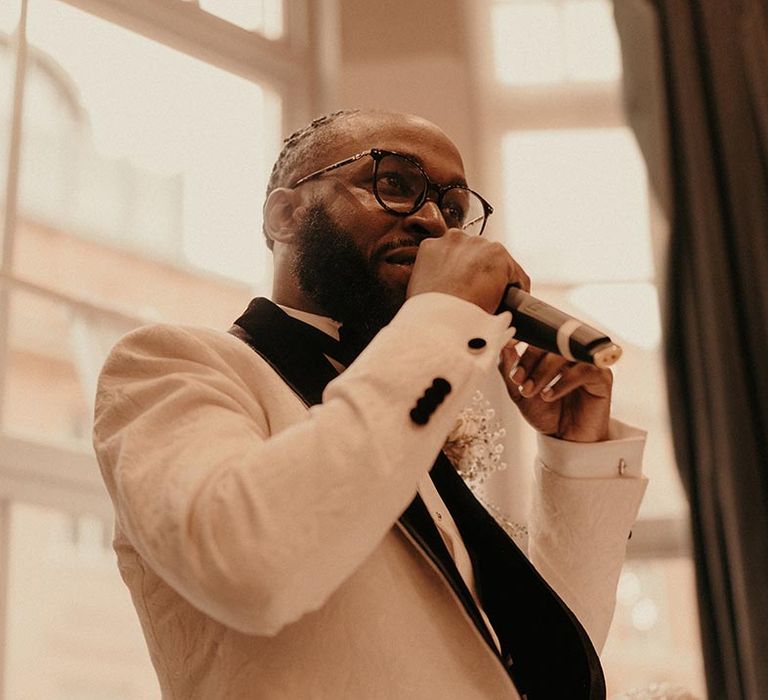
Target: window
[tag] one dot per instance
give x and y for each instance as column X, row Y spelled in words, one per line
column 66, row 632
column 575, row 203
column 171, row 168
column 575, row 210
column 135, row 159
column 539, row 42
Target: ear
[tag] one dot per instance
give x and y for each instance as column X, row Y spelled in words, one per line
column 280, row 214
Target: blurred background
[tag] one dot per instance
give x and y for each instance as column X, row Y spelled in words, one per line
column 136, row 137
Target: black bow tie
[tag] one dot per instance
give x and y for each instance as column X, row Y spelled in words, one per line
column 351, row 343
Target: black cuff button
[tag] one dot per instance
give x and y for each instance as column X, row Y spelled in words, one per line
column 442, row 385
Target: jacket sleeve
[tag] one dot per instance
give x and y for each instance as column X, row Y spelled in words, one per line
column 579, row 526
column 253, row 528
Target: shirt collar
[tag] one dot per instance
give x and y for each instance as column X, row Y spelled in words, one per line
column 323, row 323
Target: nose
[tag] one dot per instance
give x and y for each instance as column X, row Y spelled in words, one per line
column 427, row 221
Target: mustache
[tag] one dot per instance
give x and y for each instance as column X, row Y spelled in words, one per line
column 394, row 245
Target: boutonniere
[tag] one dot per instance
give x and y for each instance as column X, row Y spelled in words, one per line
column 475, row 449
column 474, row 443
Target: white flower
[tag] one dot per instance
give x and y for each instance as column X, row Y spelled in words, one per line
column 466, row 428
column 473, row 444
column 474, row 447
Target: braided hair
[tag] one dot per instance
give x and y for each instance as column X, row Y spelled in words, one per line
column 297, row 148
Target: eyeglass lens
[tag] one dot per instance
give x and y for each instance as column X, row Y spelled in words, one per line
column 401, row 185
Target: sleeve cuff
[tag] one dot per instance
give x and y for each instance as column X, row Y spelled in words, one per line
column 620, row 456
column 451, row 318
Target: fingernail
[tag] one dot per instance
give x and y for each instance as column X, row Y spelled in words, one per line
column 554, row 381
column 517, row 375
column 526, row 388
column 546, row 394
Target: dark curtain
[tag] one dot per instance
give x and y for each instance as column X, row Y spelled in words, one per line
column 714, row 57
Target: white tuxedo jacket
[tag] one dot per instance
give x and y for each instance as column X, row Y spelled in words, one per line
column 259, row 538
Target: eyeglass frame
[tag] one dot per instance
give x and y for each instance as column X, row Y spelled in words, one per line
column 377, row 154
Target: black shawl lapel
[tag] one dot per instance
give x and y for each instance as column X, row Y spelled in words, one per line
column 291, row 347
column 551, row 653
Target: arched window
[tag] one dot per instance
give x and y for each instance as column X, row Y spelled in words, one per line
column 135, row 142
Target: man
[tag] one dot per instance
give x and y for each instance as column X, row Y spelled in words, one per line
column 279, row 551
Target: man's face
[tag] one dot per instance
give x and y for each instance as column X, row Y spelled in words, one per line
column 354, row 258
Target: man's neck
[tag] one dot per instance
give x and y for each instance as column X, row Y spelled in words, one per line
column 295, row 299
column 320, row 321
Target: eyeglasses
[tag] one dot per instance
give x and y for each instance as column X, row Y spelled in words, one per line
column 401, row 186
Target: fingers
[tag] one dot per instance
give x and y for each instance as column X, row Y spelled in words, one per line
column 518, row 276
column 539, row 370
column 510, row 360
column 469, row 267
column 597, row 382
column 550, row 376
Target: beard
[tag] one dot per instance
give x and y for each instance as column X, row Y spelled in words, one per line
column 332, row 271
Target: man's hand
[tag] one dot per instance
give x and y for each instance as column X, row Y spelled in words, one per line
column 576, row 407
column 475, row 269
column 469, row 267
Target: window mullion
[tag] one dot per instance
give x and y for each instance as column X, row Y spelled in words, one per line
column 560, row 107
column 11, row 195
column 5, row 538
column 52, row 476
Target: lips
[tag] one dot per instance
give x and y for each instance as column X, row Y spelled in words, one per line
column 402, row 256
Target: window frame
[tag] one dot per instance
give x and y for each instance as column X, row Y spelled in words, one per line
column 502, row 108
column 284, row 66
column 295, row 67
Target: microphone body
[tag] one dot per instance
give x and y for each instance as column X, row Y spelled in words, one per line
column 550, row 329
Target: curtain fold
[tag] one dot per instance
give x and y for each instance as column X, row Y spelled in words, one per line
column 715, row 65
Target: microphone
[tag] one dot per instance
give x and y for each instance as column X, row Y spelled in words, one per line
column 550, row 329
